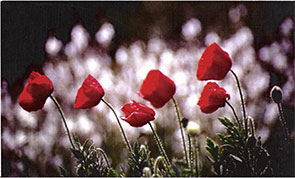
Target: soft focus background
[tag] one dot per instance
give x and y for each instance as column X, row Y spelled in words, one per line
column 118, row 43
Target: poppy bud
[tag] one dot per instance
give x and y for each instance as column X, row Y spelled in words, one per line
column 146, row 172
column 193, row 128
column 184, row 122
column 276, row 94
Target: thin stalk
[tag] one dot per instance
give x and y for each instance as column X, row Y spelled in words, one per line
column 196, row 153
column 160, row 146
column 63, row 118
column 190, row 153
column 105, row 156
column 283, row 121
column 242, row 101
column 180, row 127
column 121, row 128
column 234, row 112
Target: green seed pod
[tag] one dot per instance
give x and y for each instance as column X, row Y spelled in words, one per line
column 276, row 94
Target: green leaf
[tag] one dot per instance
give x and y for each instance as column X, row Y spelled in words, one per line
column 212, row 148
column 112, row 173
column 76, row 153
column 227, row 123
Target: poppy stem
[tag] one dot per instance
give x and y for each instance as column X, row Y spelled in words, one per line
column 283, row 121
column 63, row 118
column 242, row 101
column 181, row 128
column 190, row 153
column 160, row 146
column 105, row 156
column 196, row 154
column 235, row 114
column 121, row 128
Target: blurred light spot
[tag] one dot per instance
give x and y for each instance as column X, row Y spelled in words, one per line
column 105, row 34
column 53, row 46
column 92, row 65
column 121, row 56
column 264, row 54
column 287, row 26
column 234, row 15
column 79, row 37
column 191, row 29
column 57, row 160
column 27, row 119
column 156, row 45
column 84, row 124
column 20, row 138
column 270, row 113
column 211, row 38
column 280, row 61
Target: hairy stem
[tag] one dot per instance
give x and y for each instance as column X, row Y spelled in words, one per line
column 235, row 114
column 105, row 156
column 160, row 146
column 242, row 102
column 181, row 128
column 63, row 118
column 121, row 128
column 283, row 121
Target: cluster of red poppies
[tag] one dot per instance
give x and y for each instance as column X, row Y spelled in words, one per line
column 156, row 88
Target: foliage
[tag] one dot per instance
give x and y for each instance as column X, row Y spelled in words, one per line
column 240, row 153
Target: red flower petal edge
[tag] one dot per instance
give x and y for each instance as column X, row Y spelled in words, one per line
column 157, row 88
column 89, row 94
column 214, row 63
column 212, row 97
column 137, row 114
column 35, row 93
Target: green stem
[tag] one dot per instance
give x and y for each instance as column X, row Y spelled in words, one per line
column 156, row 165
column 283, row 121
column 196, row 153
column 190, row 153
column 234, row 112
column 105, row 156
column 121, row 128
column 63, row 118
column 180, row 127
column 160, row 146
column 242, row 102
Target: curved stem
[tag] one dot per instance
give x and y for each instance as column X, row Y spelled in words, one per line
column 160, row 146
column 283, row 121
column 121, row 128
column 105, row 156
column 234, row 112
column 242, row 101
column 181, row 128
column 156, row 165
column 63, row 118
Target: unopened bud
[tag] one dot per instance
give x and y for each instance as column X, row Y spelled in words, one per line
column 193, row 128
column 184, row 122
column 276, row 94
column 146, row 172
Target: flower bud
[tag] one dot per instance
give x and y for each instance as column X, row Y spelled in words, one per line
column 146, row 172
column 184, row 122
column 193, row 128
column 276, row 94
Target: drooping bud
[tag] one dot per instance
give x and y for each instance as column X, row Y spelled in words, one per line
column 193, row 129
column 276, row 94
column 184, row 122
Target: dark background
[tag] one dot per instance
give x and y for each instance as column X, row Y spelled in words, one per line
column 26, row 25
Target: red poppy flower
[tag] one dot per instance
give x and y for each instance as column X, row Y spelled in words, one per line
column 35, row 93
column 89, row 94
column 157, row 88
column 212, row 97
column 137, row 114
column 214, row 64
